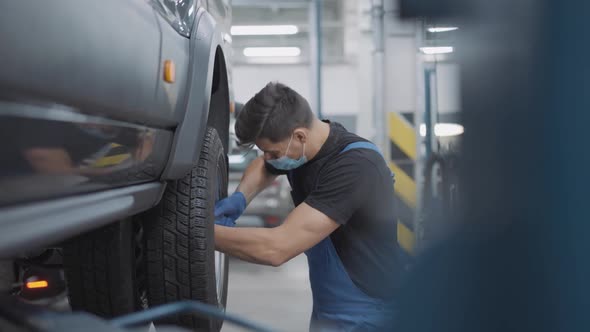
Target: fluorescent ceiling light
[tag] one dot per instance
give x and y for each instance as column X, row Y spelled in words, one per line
column 272, row 51
column 437, row 49
column 261, row 30
column 444, row 129
column 442, row 29
column 282, row 60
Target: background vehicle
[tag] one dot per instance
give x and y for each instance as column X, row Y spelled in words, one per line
column 114, row 123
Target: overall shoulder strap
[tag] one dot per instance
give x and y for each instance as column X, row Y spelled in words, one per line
column 364, row 145
column 361, row 145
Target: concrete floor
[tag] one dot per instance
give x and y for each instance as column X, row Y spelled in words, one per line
column 277, row 297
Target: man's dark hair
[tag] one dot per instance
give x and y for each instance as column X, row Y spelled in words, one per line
column 273, row 113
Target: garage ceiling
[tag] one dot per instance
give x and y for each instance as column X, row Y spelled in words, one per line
column 255, row 12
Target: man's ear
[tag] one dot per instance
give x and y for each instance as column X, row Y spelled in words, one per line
column 300, row 135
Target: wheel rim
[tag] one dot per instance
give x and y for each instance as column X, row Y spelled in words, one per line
column 220, row 272
column 220, row 258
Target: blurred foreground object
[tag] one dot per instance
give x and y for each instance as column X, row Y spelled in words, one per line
column 520, row 261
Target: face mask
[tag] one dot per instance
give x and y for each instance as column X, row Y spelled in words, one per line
column 285, row 163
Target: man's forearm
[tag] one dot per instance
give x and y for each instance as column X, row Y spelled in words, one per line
column 255, row 245
column 255, row 179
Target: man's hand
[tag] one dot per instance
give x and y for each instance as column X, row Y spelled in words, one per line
column 229, row 209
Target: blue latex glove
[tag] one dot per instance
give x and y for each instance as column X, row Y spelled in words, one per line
column 225, row 221
column 229, row 209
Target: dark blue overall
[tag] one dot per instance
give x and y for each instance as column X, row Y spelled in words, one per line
column 338, row 304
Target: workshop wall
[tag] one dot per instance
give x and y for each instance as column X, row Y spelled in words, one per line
column 340, row 85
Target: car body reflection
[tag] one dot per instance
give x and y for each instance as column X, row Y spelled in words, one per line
column 52, row 150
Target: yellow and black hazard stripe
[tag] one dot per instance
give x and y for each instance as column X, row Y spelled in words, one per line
column 403, row 152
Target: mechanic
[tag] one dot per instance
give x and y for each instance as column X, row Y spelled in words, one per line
column 344, row 220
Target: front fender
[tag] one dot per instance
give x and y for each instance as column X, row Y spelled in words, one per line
column 188, row 137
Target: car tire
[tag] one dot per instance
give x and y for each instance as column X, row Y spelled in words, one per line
column 163, row 255
column 104, row 270
column 181, row 256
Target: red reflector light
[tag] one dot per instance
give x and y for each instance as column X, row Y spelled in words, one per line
column 272, row 220
column 37, row 284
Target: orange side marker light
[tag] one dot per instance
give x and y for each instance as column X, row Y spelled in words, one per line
column 169, row 71
column 37, row 284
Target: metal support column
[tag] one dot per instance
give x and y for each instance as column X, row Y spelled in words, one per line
column 315, row 54
column 420, row 160
column 429, row 111
column 430, row 143
column 379, row 118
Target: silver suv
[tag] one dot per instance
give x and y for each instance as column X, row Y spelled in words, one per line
column 114, row 119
